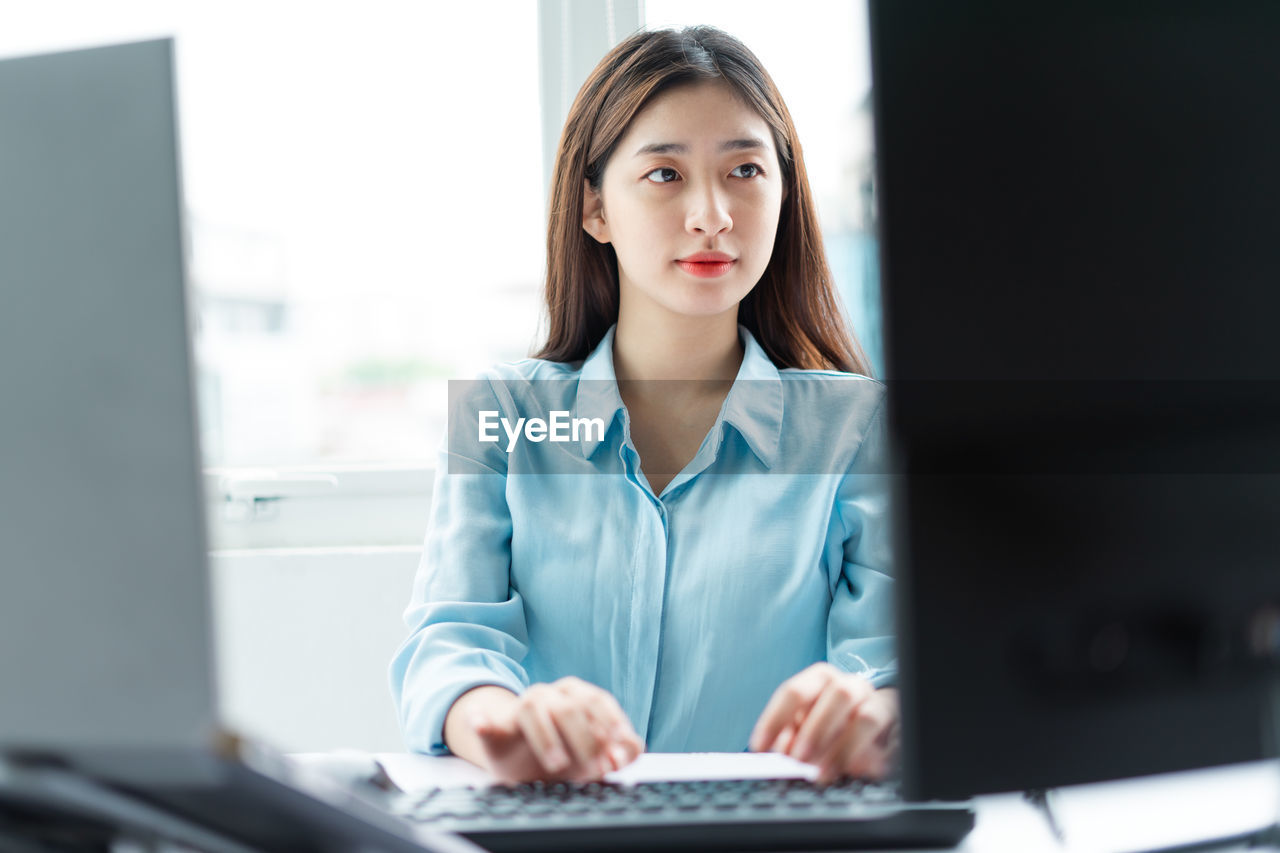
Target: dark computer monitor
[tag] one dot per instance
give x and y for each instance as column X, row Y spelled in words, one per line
column 1080, row 220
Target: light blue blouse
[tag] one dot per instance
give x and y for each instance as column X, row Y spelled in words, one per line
column 768, row 552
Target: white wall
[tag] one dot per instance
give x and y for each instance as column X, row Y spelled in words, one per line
column 304, row 637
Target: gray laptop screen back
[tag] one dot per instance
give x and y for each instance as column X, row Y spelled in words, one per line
column 105, row 638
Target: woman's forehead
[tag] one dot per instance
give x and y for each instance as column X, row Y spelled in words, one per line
column 694, row 115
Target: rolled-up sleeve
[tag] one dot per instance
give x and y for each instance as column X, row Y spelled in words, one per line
column 466, row 623
column 860, row 630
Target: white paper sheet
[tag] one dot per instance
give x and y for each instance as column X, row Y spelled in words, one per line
column 414, row 772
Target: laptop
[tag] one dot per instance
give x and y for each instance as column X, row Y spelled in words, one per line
column 109, row 726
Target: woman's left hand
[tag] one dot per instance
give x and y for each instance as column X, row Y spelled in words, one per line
column 833, row 719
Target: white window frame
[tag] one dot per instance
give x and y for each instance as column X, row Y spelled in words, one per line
column 317, row 507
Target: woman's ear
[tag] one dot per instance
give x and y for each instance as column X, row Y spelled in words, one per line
column 593, row 221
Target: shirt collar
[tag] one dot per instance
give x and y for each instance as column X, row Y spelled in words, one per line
column 598, row 395
column 753, row 405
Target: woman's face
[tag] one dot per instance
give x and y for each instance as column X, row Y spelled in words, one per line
column 690, row 200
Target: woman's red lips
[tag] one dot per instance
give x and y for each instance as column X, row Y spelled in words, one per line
column 707, row 258
column 707, row 264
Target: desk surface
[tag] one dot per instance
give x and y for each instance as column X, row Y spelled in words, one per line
column 1130, row 815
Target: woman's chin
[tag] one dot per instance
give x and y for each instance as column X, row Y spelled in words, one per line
column 703, row 310
column 706, row 302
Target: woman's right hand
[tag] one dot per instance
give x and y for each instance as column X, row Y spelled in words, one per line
column 566, row 730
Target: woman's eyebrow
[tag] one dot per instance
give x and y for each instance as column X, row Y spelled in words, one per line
column 745, row 144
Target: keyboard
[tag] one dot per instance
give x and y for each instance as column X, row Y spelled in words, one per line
column 732, row 814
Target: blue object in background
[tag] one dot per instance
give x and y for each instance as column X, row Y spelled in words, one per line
column 855, row 264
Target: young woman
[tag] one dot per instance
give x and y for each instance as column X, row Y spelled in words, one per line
column 705, row 562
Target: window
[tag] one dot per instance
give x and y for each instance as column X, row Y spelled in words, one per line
column 363, row 224
column 364, row 201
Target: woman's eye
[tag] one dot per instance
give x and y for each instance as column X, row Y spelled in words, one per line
column 666, row 173
column 752, row 170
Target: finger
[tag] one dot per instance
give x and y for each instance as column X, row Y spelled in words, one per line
column 486, row 726
column 619, row 739
column 860, row 751
column 787, row 736
column 622, row 743
column 621, row 746
column 782, row 743
column 541, row 733
column 620, row 756
column 835, row 764
column 621, row 752
column 495, row 735
column 624, row 747
column 584, row 737
column 600, row 705
column 873, row 760
column 892, row 742
column 593, row 716
column 796, row 695
column 829, row 716
column 499, row 740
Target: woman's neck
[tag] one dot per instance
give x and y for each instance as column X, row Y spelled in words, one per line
column 700, row 348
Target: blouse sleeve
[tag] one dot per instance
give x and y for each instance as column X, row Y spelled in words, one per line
column 860, row 631
column 466, row 623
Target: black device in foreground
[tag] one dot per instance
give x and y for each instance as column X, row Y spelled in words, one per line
column 1080, row 216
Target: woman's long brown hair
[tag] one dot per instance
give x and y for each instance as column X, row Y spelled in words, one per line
column 792, row 311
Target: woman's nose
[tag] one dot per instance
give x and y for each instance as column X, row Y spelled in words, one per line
column 708, row 212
